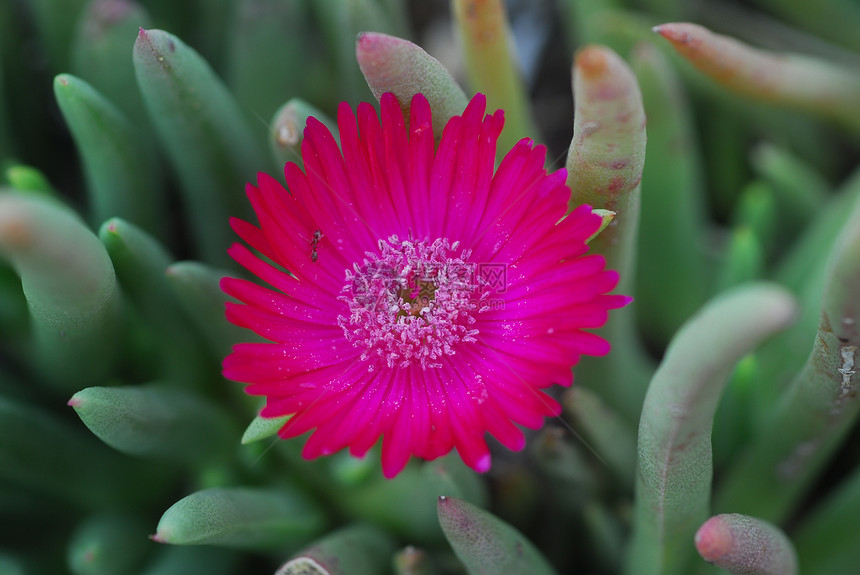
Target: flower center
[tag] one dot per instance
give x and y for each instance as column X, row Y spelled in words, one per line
column 411, row 302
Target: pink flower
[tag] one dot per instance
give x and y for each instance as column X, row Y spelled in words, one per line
column 427, row 299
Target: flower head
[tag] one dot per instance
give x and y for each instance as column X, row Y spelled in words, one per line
column 418, row 296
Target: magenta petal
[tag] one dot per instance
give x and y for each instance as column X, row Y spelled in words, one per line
column 415, row 294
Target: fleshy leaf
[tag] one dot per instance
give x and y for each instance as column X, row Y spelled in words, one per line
column 407, row 503
column 196, row 287
column 70, row 287
column 156, row 421
column 204, row 132
column 671, row 246
column 121, row 172
column 243, row 517
column 487, row 545
column 816, row 411
column 395, row 65
column 140, row 262
column 100, row 54
column 263, row 428
column 743, row 544
column 261, row 28
column 493, row 70
column 789, row 80
column 604, row 165
column 673, row 488
column 608, row 434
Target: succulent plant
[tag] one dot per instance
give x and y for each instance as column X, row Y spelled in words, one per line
column 720, row 432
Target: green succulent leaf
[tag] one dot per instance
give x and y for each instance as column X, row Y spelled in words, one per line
column 122, row 178
column 243, row 517
column 604, row 165
column 204, row 132
column 156, row 421
column 70, row 286
column 673, row 488
column 395, row 65
column 487, row 545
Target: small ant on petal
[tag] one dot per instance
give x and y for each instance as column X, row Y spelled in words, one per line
column 318, row 235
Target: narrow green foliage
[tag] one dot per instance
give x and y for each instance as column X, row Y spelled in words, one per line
column 204, row 132
column 836, row 20
column 122, row 178
column 799, row 190
column 395, row 65
column 157, row 421
column 816, row 411
column 487, row 545
column 673, row 489
column 140, row 262
column 672, row 202
column 101, row 56
column 28, row 179
column 569, row 476
column 263, row 428
column 743, row 544
column 827, row 541
column 107, row 544
column 789, row 80
column 251, row 518
column 353, row 550
column 70, row 286
column 493, row 69
column 261, row 82
column 54, row 20
column 756, row 211
column 743, row 260
column 803, row 269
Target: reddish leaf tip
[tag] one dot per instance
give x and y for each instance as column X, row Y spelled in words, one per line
column 591, row 61
column 714, row 539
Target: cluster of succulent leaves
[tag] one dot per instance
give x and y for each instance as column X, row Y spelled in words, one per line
column 741, row 245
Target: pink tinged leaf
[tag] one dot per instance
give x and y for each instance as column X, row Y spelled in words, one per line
column 743, row 544
column 791, row 80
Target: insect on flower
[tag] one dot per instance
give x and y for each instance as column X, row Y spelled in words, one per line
column 314, row 242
